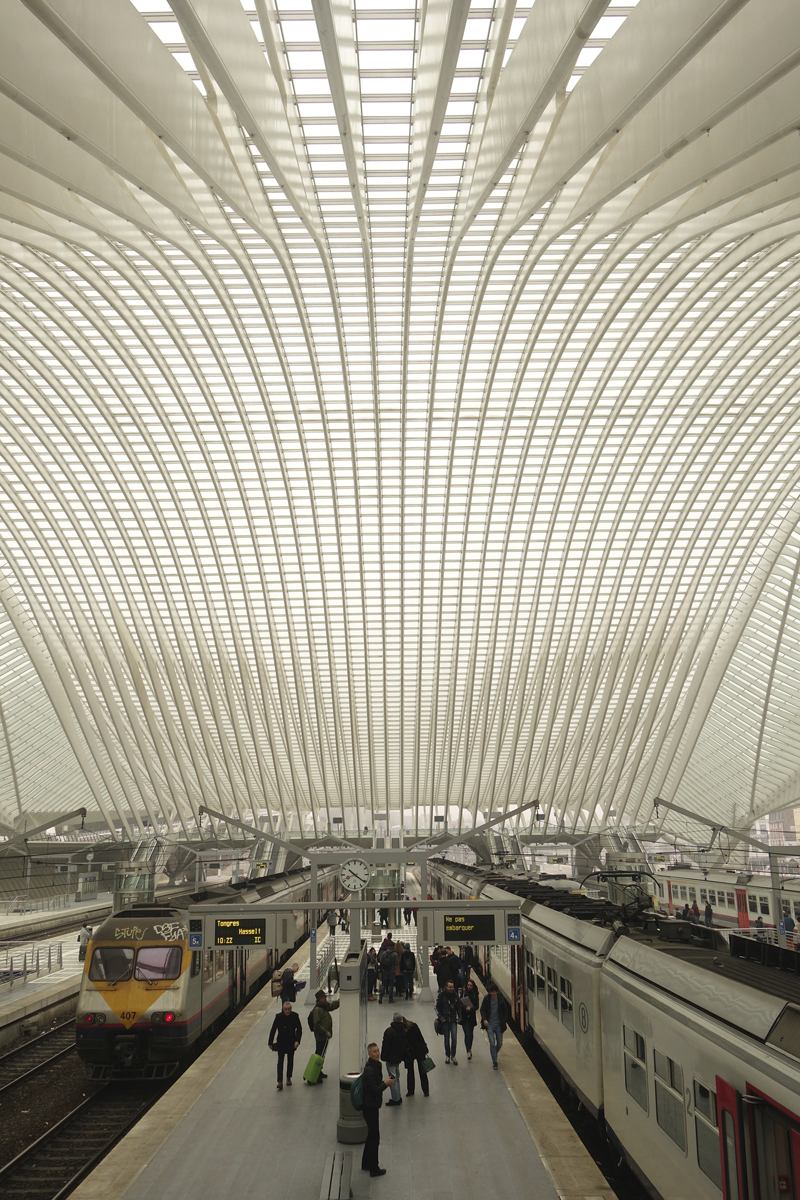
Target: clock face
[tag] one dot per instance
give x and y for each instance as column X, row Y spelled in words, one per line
column 354, row 874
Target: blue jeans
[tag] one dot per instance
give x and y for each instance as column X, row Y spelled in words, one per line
column 394, row 1069
column 495, row 1040
column 450, row 1029
column 387, row 985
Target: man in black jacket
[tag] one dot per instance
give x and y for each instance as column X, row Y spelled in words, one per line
column 394, row 1051
column 288, row 985
column 494, row 1016
column 285, row 1037
column 374, row 1087
column 449, row 1013
column 388, row 965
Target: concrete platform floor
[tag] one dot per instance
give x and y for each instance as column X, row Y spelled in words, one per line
column 223, row 1128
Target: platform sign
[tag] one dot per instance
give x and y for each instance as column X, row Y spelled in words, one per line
column 240, row 931
column 195, row 941
column 463, row 927
column 513, row 927
column 313, row 935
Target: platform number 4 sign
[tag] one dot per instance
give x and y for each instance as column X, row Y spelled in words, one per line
column 513, row 928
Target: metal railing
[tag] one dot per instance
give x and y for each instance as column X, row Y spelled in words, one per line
column 18, row 967
column 325, row 956
column 20, row 905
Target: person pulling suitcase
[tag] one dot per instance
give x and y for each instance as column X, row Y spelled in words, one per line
column 321, row 1023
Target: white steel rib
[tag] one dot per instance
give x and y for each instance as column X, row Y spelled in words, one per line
column 399, row 411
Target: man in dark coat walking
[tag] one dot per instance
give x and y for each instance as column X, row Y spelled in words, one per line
column 285, row 1037
column 394, row 1052
column 288, row 985
column 494, row 1018
column 374, row 1087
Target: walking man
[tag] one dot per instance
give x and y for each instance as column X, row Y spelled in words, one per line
column 408, row 962
column 285, row 1037
column 494, row 1018
column 447, row 1010
column 333, row 920
column 374, row 1087
column 323, row 1023
column 393, row 1052
column 417, row 1053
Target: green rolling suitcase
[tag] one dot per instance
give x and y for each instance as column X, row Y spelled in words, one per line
column 313, row 1069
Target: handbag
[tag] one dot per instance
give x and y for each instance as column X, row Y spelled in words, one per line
column 428, row 1064
column 437, row 1026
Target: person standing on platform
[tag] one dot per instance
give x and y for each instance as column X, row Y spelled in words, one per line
column 288, row 984
column 285, row 1036
column 470, row 1005
column 388, row 964
column 332, row 917
column 84, row 937
column 374, row 1087
column 708, row 915
column 494, row 1019
column 394, row 1051
column 465, row 963
column 417, row 1052
column 442, row 971
column 447, row 1010
column 696, row 912
column 407, row 915
column 323, row 1023
column 372, row 972
column 408, row 963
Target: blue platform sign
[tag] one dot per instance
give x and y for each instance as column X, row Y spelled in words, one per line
column 313, row 935
column 195, row 941
column 515, row 935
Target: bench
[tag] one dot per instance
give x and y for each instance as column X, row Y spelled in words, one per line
column 336, row 1176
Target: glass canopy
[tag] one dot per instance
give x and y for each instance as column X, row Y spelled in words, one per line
column 398, row 411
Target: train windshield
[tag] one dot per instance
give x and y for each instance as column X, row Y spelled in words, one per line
column 158, row 962
column 111, row 964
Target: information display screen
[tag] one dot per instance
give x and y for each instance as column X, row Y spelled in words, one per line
column 240, row 931
column 465, row 928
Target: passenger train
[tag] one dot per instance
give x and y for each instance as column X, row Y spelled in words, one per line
column 683, row 1042
column 147, row 1001
column 737, row 898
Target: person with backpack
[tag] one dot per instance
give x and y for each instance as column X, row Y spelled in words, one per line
column 388, row 965
column 289, row 987
column 320, row 1022
column 374, row 1085
column 408, row 963
column 284, row 1037
column 394, row 1051
column 84, row 937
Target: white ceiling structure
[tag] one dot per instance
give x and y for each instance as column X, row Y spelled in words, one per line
column 399, row 410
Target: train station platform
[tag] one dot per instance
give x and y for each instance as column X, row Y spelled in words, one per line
column 223, row 1128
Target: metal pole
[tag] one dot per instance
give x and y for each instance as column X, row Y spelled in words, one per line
column 28, row 883
column 425, row 993
column 312, row 956
column 777, row 906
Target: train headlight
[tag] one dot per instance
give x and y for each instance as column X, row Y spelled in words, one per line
column 99, row 1019
column 89, row 1019
column 157, row 1018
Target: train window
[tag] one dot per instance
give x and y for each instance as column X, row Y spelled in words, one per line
column 707, row 1133
column 797, row 909
column 712, row 896
column 693, row 895
column 669, row 1098
column 208, row 966
column 158, row 962
column 729, row 1148
column 219, row 965
column 197, row 960
column 230, row 960
column 540, row 980
column 111, row 964
column 703, row 896
column 763, row 904
column 566, row 1004
column 635, row 1066
column 552, row 990
column 683, row 893
column 731, row 900
column 752, row 904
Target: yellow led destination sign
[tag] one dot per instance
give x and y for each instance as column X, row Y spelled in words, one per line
column 469, row 928
column 238, row 931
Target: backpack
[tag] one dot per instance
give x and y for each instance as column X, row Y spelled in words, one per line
column 357, row 1093
column 311, row 1019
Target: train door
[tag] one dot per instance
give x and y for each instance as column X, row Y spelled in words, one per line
column 669, row 898
column 731, row 1142
column 741, row 909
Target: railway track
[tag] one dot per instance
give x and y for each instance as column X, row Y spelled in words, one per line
column 56, row 1163
column 25, row 1061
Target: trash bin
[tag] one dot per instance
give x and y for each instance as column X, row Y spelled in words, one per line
column 351, row 1128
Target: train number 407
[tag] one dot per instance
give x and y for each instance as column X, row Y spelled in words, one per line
column 128, row 1016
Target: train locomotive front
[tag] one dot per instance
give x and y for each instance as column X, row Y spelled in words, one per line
column 139, row 1007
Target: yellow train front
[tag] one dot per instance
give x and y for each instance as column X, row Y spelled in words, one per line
column 146, row 999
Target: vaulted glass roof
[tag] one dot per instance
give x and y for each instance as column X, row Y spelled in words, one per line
column 398, row 410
